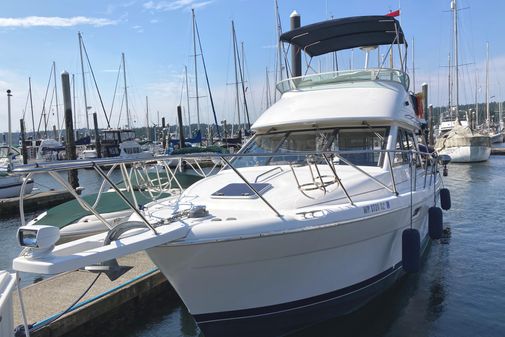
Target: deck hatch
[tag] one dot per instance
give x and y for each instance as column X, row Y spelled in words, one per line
column 241, row 190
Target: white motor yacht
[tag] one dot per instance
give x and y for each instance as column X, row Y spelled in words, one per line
column 327, row 205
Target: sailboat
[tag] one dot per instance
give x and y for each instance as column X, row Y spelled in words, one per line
column 12, row 185
column 462, row 143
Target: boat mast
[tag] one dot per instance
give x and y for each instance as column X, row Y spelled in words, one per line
column 31, row 104
column 83, row 82
column 237, row 96
column 56, row 96
column 449, row 86
column 488, row 115
column 187, row 100
column 476, row 101
column 454, row 8
column 267, row 93
column 73, row 103
column 147, row 119
column 413, row 66
column 196, row 72
column 125, row 92
column 242, row 75
column 278, row 72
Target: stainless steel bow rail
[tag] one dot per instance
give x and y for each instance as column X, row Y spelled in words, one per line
column 165, row 174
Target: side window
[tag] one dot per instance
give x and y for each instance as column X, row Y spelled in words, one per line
column 404, row 142
column 401, row 157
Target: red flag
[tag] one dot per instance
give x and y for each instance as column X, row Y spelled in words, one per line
column 394, row 14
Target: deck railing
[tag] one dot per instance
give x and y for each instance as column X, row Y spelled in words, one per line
column 341, row 76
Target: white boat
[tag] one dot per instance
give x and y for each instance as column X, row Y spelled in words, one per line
column 7, row 286
column 322, row 210
column 10, row 185
column 49, row 150
column 464, row 145
column 9, row 157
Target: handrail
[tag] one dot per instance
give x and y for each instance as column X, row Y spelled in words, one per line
column 342, row 76
column 53, row 169
column 65, row 165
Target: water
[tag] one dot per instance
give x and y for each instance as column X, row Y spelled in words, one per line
column 459, row 291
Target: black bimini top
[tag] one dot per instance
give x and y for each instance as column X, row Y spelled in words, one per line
column 346, row 33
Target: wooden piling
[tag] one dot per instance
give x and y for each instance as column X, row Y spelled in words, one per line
column 24, row 151
column 98, row 144
column 181, row 127
column 73, row 179
column 430, row 125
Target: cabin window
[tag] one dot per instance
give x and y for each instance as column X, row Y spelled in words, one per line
column 302, row 141
column 366, row 144
column 296, row 145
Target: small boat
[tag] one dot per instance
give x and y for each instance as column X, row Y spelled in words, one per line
column 10, row 185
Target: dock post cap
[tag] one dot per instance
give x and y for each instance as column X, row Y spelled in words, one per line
column 294, row 14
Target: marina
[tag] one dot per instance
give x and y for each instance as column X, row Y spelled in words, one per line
column 357, row 200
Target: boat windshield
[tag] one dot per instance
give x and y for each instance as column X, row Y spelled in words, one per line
column 293, row 147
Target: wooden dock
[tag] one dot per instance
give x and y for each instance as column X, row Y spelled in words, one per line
column 9, row 207
column 107, row 305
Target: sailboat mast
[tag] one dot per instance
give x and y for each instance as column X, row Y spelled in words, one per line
column 73, row 103
column 449, row 86
column 147, row 119
column 125, row 92
column 187, row 100
column 237, row 96
column 31, row 104
column 56, row 96
column 242, row 75
column 83, row 82
column 196, row 72
column 278, row 73
column 413, row 66
column 488, row 115
column 454, row 8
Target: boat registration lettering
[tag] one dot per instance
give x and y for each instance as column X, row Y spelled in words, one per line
column 380, row 206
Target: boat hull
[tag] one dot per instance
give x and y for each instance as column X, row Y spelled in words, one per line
column 11, row 187
column 274, row 285
column 467, row 154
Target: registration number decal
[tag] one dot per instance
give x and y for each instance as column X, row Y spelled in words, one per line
column 377, row 207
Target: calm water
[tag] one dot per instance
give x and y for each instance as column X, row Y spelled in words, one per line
column 459, row 292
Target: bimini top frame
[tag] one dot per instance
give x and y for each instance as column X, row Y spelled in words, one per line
column 345, row 33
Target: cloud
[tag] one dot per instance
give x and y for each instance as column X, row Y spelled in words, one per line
column 175, row 5
column 45, row 21
column 138, row 29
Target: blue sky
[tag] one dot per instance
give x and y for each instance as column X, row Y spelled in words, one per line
column 156, row 39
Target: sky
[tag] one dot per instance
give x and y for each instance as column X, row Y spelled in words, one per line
column 156, row 38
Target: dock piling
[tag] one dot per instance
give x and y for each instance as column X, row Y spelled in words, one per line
column 181, row 127
column 98, row 145
column 73, row 179
column 24, row 151
column 296, row 56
